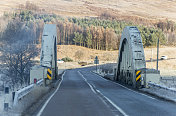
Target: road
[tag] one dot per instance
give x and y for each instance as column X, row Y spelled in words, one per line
column 83, row 93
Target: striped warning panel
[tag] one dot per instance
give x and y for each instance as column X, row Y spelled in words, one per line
column 49, row 73
column 138, row 75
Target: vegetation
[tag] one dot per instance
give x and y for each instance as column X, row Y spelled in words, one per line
column 102, row 33
column 107, row 33
column 82, row 63
column 21, row 31
column 17, row 51
column 79, row 54
column 67, row 59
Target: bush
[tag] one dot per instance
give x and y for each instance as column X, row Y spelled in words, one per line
column 79, row 54
column 67, row 59
column 82, row 63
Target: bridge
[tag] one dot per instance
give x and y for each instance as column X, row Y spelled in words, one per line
column 131, row 58
column 81, row 92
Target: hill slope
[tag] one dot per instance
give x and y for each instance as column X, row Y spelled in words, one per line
column 157, row 9
column 167, row 67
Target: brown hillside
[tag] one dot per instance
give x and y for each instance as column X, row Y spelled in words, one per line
column 135, row 9
column 167, row 67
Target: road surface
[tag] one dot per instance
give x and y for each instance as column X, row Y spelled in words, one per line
column 83, row 93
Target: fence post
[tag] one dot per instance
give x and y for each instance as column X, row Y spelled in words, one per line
column 6, row 106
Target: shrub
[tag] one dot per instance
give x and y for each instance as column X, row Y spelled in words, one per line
column 67, row 59
column 82, row 63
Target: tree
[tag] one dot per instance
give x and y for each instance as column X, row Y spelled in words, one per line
column 79, row 54
column 17, row 59
column 76, row 37
column 18, row 50
column 89, row 39
column 81, row 39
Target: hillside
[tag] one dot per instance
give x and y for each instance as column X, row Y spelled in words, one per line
column 88, row 54
column 99, row 34
column 167, row 67
column 135, row 9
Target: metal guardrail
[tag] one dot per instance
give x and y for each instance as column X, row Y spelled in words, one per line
column 40, row 82
column 173, row 79
column 24, row 91
column 150, row 84
column 21, row 93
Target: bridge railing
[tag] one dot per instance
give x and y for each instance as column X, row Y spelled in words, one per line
column 19, row 94
column 150, row 84
column 40, row 82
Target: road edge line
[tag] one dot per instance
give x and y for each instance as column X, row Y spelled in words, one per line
column 125, row 87
column 87, row 82
column 43, row 107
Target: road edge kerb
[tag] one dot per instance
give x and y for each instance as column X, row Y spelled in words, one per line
column 157, row 96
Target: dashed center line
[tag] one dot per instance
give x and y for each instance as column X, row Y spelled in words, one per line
column 92, row 87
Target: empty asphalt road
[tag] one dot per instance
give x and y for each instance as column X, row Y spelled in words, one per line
column 83, row 93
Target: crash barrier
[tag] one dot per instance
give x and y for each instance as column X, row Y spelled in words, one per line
column 172, row 79
column 40, row 82
column 24, row 91
column 150, row 84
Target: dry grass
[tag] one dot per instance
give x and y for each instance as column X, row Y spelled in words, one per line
column 148, row 9
column 88, row 54
column 30, row 99
column 167, row 67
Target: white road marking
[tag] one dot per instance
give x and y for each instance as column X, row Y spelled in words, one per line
column 98, row 76
column 121, row 85
column 127, row 88
column 87, row 82
column 112, row 103
column 41, row 110
column 118, row 108
column 133, row 90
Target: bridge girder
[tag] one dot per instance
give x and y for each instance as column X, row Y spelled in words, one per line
column 131, row 56
column 48, row 56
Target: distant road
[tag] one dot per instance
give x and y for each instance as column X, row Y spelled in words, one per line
column 83, row 93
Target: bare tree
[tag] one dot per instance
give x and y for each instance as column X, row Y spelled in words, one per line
column 17, row 52
column 18, row 59
column 79, row 54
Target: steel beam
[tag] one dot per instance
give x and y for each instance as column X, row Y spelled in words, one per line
column 131, row 56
